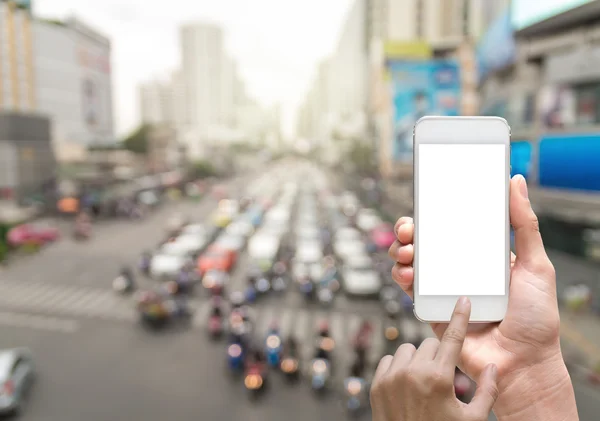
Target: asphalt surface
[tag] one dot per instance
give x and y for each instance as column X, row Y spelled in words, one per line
column 95, row 362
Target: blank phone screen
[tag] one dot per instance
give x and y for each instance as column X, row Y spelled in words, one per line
column 462, row 219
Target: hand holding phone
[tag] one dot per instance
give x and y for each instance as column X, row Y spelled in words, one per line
column 525, row 346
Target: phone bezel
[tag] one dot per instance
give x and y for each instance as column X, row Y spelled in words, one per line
column 459, row 130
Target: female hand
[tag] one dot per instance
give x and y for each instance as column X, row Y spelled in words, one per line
column 417, row 385
column 527, row 340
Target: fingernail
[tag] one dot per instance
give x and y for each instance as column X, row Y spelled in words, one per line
column 523, row 187
column 463, row 303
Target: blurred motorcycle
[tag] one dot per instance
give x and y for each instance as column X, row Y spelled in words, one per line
column 290, row 361
column 263, row 285
column 279, row 284
column 255, row 374
column 273, row 347
column 391, row 332
column 462, row 386
column 325, row 296
column 307, row 288
column 215, row 322
column 144, row 265
column 320, row 374
column 355, row 386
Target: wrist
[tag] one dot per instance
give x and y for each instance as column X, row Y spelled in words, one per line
column 540, row 392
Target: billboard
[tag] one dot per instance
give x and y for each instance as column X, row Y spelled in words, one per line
column 497, row 48
column 570, row 162
column 520, row 158
column 528, row 12
column 407, row 50
column 420, row 88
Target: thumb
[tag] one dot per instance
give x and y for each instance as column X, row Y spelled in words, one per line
column 487, row 392
column 528, row 240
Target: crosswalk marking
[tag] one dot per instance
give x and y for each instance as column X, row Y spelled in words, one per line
column 71, row 301
column 264, row 319
column 378, row 339
column 286, row 321
column 38, row 322
column 302, row 324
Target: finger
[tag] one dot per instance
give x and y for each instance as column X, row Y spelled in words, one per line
column 404, row 355
column 393, row 250
column 402, row 221
column 383, row 367
column 513, row 259
column 486, row 394
column 402, row 254
column 427, row 351
column 528, row 240
column 404, row 276
column 454, row 336
column 405, row 233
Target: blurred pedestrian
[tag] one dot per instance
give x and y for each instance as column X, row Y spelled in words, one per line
column 518, row 362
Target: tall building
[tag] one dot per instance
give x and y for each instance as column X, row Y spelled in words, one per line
column 74, row 85
column 157, row 102
column 202, row 64
column 17, row 73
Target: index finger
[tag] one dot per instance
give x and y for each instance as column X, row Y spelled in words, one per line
column 454, row 336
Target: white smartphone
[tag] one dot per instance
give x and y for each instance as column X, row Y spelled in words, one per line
column 462, row 224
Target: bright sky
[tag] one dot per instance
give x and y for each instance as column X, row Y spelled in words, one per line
column 277, row 43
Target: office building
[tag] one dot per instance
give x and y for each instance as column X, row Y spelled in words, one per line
column 157, row 102
column 17, row 72
column 202, row 65
column 74, row 85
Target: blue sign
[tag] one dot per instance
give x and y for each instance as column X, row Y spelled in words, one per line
column 570, row 162
column 520, row 158
column 421, row 88
column 497, row 48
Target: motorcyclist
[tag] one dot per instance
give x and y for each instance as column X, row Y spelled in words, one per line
column 291, row 347
column 145, row 261
column 362, row 340
column 358, row 367
column 324, row 343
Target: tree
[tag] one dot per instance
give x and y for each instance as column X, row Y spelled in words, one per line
column 203, row 169
column 137, row 141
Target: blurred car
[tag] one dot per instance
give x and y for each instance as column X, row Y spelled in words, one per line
column 240, row 228
column 344, row 249
column 215, row 280
column 231, row 242
column 195, row 229
column 167, row 266
column 221, row 219
column 367, row 219
column 307, row 232
column 17, row 374
column 187, row 245
column 217, row 258
column 308, row 252
column 383, row 236
column 263, row 249
column 359, row 278
column 254, row 215
column 32, row 233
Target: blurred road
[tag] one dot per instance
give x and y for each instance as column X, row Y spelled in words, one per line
column 93, row 355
